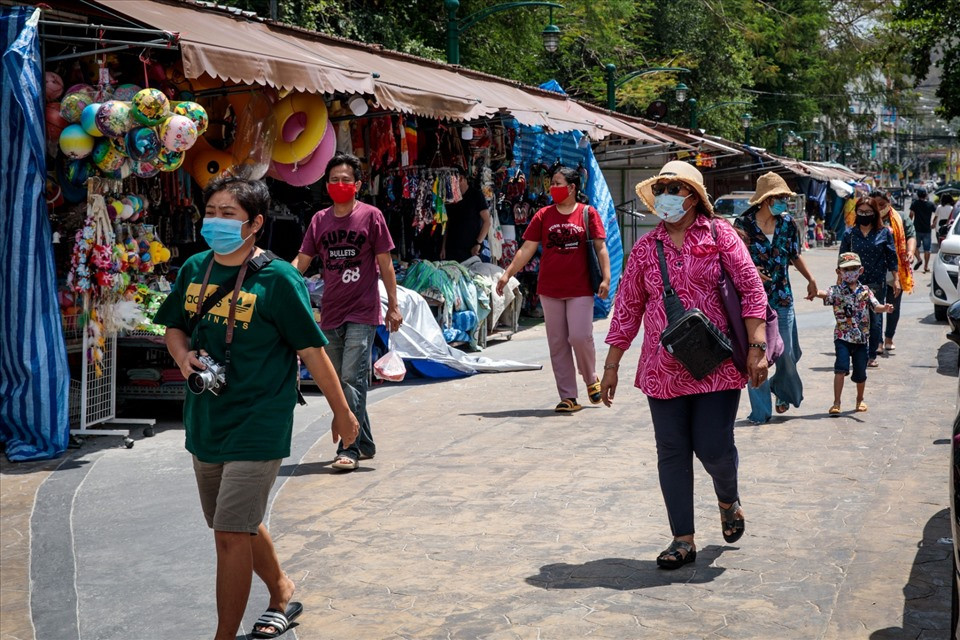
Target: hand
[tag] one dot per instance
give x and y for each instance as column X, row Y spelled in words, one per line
column 608, row 386
column 812, row 290
column 191, row 364
column 475, row 250
column 393, row 320
column 896, row 288
column 886, row 308
column 344, row 428
column 604, row 289
column 757, row 367
column 910, row 257
column 502, row 283
column 443, row 253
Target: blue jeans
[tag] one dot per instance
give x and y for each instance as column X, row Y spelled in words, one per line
column 847, row 351
column 349, row 351
column 700, row 424
column 785, row 383
column 876, row 321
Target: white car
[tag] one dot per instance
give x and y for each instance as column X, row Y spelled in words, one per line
column 943, row 287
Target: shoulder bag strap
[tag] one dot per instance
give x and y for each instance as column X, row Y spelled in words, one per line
column 671, row 302
column 586, row 222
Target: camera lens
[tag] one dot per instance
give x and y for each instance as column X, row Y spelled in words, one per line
column 197, row 383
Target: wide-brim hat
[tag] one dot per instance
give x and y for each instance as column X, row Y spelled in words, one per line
column 675, row 170
column 849, row 259
column 770, row 184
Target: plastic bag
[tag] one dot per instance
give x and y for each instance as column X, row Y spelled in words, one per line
column 390, row 367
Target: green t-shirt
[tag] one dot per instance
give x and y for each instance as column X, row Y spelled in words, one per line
column 252, row 419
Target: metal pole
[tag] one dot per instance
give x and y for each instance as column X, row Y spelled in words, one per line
column 693, row 113
column 611, row 89
column 746, row 135
column 453, row 32
column 806, row 149
column 779, row 141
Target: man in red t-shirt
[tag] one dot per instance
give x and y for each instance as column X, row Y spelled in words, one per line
column 352, row 240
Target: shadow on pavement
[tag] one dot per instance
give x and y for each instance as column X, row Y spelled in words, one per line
column 626, row 574
column 519, row 413
column 317, row 468
column 926, row 596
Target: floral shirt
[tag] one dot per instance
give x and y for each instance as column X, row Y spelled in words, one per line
column 694, row 272
column 773, row 258
column 851, row 307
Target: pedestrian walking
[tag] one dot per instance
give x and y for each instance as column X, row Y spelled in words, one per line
column 563, row 284
column 905, row 241
column 690, row 415
column 773, row 241
column 922, row 213
column 875, row 246
column 468, row 221
column 852, row 304
column 353, row 243
column 236, row 321
column 942, row 216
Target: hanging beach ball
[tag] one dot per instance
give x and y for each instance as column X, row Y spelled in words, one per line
column 114, row 118
column 88, row 120
column 143, row 144
column 125, row 92
column 75, row 142
column 169, row 160
column 72, row 106
column 53, row 86
column 144, row 169
column 177, row 133
column 107, row 158
column 150, row 107
column 55, row 124
column 85, row 90
column 196, row 113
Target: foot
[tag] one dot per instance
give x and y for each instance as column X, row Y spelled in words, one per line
column 593, row 392
column 278, row 602
column 782, row 407
column 679, row 553
column 873, row 364
column 344, row 463
column 835, row 409
column 568, row 405
column 889, row 346
column 732, row 520
column 861, row 406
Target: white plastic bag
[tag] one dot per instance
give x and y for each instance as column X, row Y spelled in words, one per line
column 390, row 367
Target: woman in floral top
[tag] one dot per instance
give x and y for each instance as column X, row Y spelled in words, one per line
column 689, row 416
column 774, row 244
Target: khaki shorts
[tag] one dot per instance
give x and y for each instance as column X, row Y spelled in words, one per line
column 234, row 494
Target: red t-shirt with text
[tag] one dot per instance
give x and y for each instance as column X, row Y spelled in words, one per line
column 563, row 240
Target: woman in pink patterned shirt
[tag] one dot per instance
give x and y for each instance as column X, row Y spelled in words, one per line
column 689, row 416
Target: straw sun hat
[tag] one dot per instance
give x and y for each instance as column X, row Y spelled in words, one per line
column 675, row 171
column 770, row 184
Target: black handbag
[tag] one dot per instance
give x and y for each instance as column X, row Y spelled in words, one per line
column 593, row 262
column 690, row 336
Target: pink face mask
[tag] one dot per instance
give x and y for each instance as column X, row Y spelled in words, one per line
column 850, row 276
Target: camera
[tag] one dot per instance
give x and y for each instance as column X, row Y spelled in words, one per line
column 212, row 379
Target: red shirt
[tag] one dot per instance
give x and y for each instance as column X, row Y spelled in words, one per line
column 563, row 239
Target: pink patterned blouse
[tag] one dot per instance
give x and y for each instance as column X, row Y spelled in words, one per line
column 694, row 272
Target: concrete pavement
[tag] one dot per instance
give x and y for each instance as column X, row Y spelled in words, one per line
column 486, row 515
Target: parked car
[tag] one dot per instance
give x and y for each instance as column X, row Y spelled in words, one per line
column 943, row 286
column 953, row 317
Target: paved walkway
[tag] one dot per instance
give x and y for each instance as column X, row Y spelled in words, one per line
column 486, row 515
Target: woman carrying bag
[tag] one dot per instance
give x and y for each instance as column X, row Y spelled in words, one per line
column 564, row 284
column 692, row 414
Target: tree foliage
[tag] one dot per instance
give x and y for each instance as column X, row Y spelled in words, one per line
column 931, row 27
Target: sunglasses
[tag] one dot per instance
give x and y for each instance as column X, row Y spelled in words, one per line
column 672, row 188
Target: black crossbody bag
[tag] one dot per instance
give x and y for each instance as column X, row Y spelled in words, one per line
column 690, row 336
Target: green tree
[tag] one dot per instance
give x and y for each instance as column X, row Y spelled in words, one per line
column 931, row 27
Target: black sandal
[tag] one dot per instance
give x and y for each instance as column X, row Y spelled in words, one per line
column 731, row 522
column 676, row 555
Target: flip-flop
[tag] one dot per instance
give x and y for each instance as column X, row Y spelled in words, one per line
column 568, row 405
column 279, row 620
column 782, row 407
column 834, row 410
column 861, row 406
column 593, row 392
column 345, row 463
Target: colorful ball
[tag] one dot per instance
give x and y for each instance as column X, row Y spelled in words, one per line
column 55, row 123
column 177, row 133
column 88, row 120
column 114, row 118
column 53, row 86
column 150, row 107
column 125, row 92
column 76, row 172
column 169, row 160
column 72, row 106
column 85, row 89
column 143, row 144
column 75, row 142
column 196, row 113
column 106, row 156
column 144, row 169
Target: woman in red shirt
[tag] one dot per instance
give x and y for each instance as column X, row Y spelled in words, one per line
column 564, row 284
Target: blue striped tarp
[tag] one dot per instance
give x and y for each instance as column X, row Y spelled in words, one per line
column 533, row 145
column 34, row 378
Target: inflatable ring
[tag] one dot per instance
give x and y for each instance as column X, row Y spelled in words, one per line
column 208, row 163
column 301, row 123
column 310, row 169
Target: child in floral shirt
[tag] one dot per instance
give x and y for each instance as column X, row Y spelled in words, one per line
column 851, row 303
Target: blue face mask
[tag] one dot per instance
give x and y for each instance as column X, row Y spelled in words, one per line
column 779, row 207
column 669, row 208
column 222, row 235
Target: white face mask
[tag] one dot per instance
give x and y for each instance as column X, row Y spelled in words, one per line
column 850, row 276
column 669, row 208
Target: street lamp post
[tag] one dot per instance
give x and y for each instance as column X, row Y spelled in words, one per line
column 613, row 83
column 550, row 34
column 695, row 113
column 745, row 119
column 806, row 140
column 770, row 123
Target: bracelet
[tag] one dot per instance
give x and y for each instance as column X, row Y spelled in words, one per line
column 757, row 345
column 612, row 365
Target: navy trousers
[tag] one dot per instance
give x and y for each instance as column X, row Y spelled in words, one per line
column 700, row 424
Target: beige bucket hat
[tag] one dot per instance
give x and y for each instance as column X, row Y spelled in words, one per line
column 770, row 184
column 679, row 171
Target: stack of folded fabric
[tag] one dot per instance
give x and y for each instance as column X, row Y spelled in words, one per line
column 171, row 377
column 145, row 377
